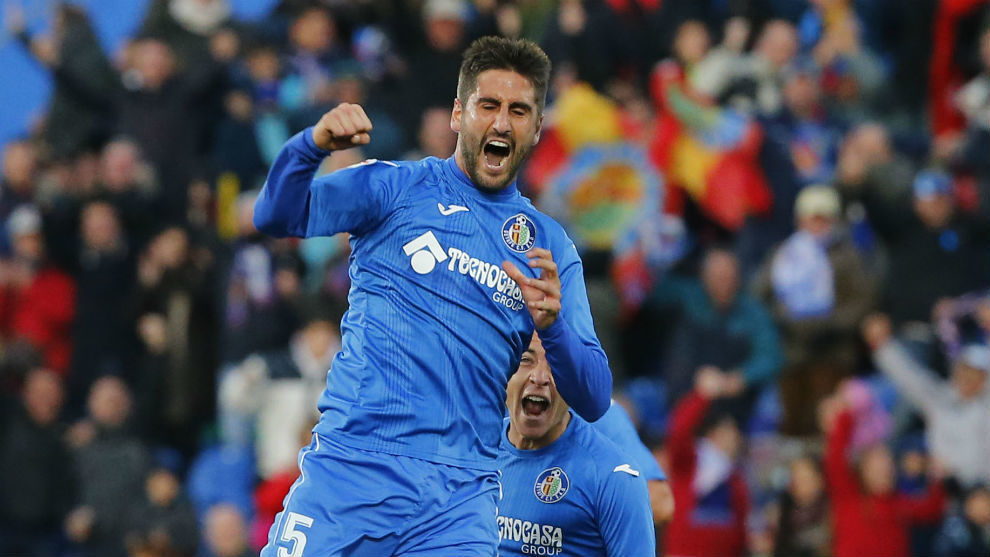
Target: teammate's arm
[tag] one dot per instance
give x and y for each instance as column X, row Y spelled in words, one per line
column 292, row 203
column 577, row 361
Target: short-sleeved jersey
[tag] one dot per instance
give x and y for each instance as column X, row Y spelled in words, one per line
column 579, row 496
column 435, row 326
column 617, row 426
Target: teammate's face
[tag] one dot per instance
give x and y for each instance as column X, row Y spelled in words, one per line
column 497, row 126
column 537, row 412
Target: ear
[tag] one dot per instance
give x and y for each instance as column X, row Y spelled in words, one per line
column 539, row 129
column 455, row 116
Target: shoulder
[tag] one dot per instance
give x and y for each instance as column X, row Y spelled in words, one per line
column 602, row 455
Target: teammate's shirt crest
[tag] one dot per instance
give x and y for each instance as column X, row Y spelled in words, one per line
column 519, row 233
column 551, row 485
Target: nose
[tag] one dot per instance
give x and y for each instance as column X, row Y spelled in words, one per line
column 501, row 123
column 540, row 375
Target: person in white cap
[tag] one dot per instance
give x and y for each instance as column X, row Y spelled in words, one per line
column 956, row 411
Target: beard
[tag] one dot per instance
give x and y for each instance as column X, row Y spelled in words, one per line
column 473, row 150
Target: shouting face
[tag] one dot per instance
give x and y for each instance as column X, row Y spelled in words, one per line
column 497, row 126
column 537, row 413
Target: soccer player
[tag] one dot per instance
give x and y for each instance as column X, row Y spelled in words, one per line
column 567, row 489
column 451, row 272
column 617, row 426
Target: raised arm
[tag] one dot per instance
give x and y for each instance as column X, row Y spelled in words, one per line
column 292, row 203
column 558, row 303
column 915, row 382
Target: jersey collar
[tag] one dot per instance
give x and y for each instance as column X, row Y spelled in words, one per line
column 464, row 183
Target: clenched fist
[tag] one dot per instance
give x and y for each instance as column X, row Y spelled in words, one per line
column 343, row 127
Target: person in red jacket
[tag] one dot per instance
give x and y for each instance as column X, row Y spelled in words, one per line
column 870, row 516
column 37, row 301
column 712, row 499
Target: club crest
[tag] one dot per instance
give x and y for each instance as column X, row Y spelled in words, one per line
column 519, row 233
column 551, row 485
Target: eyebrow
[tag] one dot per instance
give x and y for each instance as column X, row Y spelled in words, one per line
column 513, row 104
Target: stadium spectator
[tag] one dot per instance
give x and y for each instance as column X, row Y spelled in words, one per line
column 804, row 528
column 498, row 116
column 719, row 326
column 226, row 533
column 103, row 330
column 710, row 493
column 176, row 323
column 870, row 517
column 17, row 184
column 759, row 78
column 600, row 501
column 956, row 411
column 111, row 466
column 37, row 483
column 77, row 118
column 277, row 391
column 162, row 520
column 966, row 533
column 37, row 300
column 934, row 250
column 818, row 289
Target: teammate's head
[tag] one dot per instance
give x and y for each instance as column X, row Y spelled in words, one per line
column 537, row 412
column 498, row 112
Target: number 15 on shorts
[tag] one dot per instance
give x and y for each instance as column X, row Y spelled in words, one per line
column 293, row 536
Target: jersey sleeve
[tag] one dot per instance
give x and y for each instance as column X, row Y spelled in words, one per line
column 625, row 518
column 292, row 203
column 577, row 361
column 617, row 426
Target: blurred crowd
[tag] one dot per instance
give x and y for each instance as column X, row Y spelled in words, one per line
column 783, row 207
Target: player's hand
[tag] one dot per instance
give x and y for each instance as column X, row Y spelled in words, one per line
column 542, row 295
column 343, row 127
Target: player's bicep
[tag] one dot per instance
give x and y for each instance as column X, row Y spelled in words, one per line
column 354, row 199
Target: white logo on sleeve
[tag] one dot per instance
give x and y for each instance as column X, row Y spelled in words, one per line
column 447, row 211
column 425, row 251
column 627, row 469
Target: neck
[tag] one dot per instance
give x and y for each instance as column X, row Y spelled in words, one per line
column 524, row 443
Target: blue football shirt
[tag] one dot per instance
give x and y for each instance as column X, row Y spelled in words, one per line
column 435, row 327
column 579, row 496
column 617, row 426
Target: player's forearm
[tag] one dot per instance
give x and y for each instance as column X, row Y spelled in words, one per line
column 580, row 371
column 282, row 208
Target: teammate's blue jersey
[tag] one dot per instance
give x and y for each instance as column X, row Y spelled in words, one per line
column 617, row 426
column 579, row 496
column 435, row 326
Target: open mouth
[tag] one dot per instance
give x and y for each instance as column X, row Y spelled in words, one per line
column 496, row 153
column 535, row 405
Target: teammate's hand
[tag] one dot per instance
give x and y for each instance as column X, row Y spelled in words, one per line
column 343, row 127
column 542, row 295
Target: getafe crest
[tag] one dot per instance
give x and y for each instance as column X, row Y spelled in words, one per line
column 551, row 485
column 519, row 233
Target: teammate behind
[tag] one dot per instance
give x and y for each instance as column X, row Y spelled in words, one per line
column 403, row 460
column 617, row 426
column 566, row 489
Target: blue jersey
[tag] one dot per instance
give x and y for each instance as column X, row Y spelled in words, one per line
column 579, row 496
column 435, row 327
column 617, row 426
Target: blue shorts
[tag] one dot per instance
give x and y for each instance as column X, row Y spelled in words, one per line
column 351, row 502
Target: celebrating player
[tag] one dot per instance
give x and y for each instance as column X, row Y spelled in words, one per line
column 567, row 489
column 451, row 272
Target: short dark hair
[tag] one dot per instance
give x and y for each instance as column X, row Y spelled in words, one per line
column 498, row 53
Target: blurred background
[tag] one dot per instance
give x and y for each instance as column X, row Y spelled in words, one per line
column 783, row 208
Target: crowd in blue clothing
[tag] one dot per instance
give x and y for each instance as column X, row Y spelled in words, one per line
column 161, row 359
